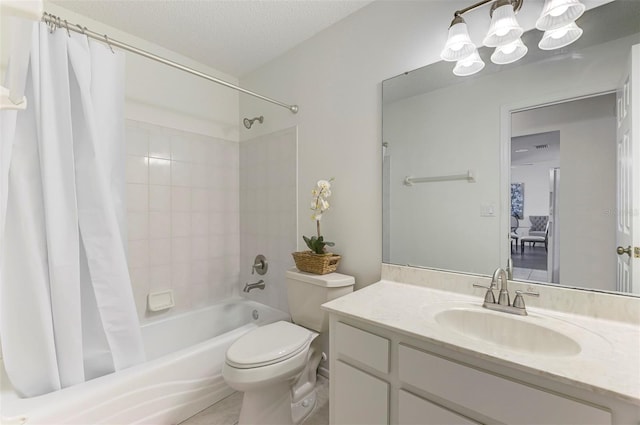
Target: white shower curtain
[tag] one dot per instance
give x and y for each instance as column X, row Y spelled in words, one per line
column 66, row 306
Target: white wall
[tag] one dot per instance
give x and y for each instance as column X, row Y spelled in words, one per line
column 335, row 77
column 536, row 188
column 268, row 212
column 156, row 93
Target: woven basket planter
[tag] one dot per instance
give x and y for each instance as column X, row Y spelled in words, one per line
column 309, row 262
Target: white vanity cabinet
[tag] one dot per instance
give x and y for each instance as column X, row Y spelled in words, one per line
column 382, row 376
column 360, row 397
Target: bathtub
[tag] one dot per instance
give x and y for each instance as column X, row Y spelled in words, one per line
column 182, row 374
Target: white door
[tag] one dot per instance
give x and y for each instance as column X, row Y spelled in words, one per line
column 628, row 181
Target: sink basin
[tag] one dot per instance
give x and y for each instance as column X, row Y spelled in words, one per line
column 509, row 331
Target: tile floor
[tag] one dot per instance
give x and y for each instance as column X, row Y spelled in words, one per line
column 226, row 411
column 530, row 274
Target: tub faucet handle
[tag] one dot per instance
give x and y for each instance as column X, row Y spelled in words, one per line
column 260, row 265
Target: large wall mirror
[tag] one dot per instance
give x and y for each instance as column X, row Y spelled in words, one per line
column 524, row 161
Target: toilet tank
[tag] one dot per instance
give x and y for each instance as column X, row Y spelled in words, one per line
column 307, row 292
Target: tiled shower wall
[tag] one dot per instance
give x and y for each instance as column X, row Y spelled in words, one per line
column 183, row 215
column 268, row 210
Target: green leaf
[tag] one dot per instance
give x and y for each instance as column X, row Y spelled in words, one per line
column 308, row 242
column 317, row 244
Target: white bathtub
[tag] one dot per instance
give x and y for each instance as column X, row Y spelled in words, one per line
column 182, row 375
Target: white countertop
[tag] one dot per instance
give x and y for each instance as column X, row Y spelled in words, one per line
column 609, row 362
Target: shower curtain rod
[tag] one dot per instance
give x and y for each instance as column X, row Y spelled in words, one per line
column 55, row 22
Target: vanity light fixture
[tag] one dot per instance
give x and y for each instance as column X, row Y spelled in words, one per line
column 557, row 20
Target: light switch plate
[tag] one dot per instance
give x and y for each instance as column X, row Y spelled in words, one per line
column 487, row 209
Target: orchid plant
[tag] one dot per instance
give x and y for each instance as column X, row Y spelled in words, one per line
column 319, row 205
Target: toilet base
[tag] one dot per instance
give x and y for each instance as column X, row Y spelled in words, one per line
column 302, row 409
column 271, row 405
column 275, row 407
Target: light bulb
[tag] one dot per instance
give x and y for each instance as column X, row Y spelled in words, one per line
column 558, row 11
column 458, row 44
column 469, row 65
column 466, row 62
column 509, row 53
column 509, row 48
column 561, row 37
column 504, row 27
column 559, row 33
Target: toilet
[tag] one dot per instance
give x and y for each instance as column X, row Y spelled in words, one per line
column 275, row 365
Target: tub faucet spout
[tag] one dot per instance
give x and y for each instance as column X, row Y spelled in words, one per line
column 249, row 286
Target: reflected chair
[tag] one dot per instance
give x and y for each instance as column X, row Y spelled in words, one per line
column 533, row 239
column 515, row 224
column 538, row 224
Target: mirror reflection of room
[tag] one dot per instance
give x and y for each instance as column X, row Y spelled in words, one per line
column 560, row 226
column 436, row 124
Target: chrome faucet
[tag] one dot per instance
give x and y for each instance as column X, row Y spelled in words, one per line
column 509, row 269
column 503, row 295
column 504, row 303
column 249, row 286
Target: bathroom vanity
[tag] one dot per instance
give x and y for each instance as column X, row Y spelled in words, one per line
column 411, row 353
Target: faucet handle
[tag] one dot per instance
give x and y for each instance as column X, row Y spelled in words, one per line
column 260, row 265
column 489, row 298
column 518, row 301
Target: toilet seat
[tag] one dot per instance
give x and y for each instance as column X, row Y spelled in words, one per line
column 268, row 345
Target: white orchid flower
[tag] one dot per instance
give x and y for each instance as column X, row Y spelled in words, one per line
column 324, row 184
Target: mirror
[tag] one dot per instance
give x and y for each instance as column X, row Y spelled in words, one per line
column 459, row 152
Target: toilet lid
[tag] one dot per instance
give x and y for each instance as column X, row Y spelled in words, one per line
column 268, row 344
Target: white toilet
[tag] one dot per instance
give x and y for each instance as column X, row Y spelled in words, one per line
column 275, row 365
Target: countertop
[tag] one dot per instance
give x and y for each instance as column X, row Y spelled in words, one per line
column 609, row 362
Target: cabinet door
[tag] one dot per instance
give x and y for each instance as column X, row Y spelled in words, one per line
column 359, row 397
column 414, row 410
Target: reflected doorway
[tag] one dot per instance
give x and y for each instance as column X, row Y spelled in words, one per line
column 578, row 139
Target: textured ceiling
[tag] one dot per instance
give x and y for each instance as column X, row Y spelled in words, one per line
column 233, row 36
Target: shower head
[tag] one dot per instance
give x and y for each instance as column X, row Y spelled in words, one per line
column 249, row 122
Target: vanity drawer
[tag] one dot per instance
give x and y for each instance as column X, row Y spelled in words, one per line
column 367, row 348
column 492, row 396
column 415, row 410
